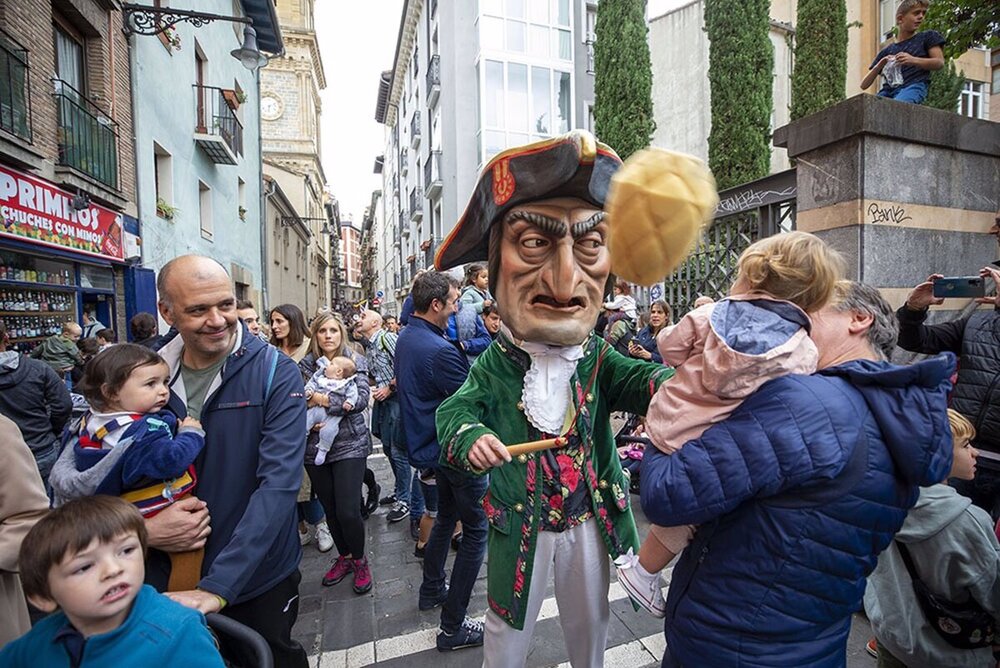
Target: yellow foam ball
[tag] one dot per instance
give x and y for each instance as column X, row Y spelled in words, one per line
column 658, row 204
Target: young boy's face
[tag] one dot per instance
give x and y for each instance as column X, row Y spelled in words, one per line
column 911, row 20
column 96, row 586
column 963, row 464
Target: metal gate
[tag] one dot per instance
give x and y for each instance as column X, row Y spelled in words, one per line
column 745, row 214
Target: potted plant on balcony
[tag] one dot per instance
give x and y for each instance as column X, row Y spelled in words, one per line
column 232, row 98
column 173, row 38
column 243, row 213
column 425, row 244
column 164, row 210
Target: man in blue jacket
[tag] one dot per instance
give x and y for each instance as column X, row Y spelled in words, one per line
column 796, row 493
column 250, row 402
column 429, row 369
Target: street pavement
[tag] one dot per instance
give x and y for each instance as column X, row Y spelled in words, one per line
column 340, row 629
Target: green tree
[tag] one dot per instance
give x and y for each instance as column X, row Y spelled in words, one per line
column 623, row 78
column 740, row 66
column 945, row 88
column 965, row 24
column 820, row 72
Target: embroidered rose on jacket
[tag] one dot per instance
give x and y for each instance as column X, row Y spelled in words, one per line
column 569, row 475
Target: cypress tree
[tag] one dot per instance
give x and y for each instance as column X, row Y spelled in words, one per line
column 820, row 72
column 623, row 78
column 945, row 88
column 740, row 66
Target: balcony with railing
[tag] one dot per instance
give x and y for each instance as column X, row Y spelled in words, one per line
column 218, row 131
column 404, row 161
column 433, row 79
column 88, row 138
column 15, row 100
column 415, row 129
column 432, row 174
column 416, row 204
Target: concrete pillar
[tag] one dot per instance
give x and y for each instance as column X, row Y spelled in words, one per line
column 902, row 190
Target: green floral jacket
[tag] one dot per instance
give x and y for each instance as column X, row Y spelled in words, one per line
column 490, row 403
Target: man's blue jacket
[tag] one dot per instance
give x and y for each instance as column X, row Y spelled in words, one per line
column 250, row 469
column 775, row 570
column 429, row 369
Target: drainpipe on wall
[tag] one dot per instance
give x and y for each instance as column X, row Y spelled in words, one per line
column 265, row 192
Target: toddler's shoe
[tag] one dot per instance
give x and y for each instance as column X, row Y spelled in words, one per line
column 642, row 587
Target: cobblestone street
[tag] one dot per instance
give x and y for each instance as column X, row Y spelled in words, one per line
column 340, row 629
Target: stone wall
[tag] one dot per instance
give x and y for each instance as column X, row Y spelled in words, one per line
column 902, row 190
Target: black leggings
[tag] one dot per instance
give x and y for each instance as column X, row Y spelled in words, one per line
column 338, row 486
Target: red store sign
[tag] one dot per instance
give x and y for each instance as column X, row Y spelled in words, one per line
column 35, row 210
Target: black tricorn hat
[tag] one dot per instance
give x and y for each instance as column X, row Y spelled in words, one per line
column 573, row 165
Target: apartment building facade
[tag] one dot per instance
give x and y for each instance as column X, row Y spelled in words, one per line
column 69, row 229
column 198, row 157
column 468, row 81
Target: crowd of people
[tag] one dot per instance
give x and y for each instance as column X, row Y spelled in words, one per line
column 793, row 475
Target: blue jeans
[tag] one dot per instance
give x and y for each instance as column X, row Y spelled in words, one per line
column 418, row 499
column 459, row 496
column 311, row 511
column 393, row 446
column 915, row 93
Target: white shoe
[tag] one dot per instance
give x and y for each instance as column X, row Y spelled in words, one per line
column 643, row 588
column 324, row 541
column 305, row 537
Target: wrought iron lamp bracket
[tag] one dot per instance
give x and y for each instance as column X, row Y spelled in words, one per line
column 149, row 20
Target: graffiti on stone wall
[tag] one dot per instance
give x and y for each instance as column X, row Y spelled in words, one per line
column 751, row 199
column 888, row 213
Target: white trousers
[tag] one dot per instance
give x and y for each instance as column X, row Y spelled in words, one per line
column 579, row 560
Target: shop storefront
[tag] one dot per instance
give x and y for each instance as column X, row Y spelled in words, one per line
column 60, row 254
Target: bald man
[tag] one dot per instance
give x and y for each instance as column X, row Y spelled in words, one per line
column 380, row 349
column 250, row 401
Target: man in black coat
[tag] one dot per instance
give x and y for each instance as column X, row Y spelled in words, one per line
column 35, row 398
column 975, row 338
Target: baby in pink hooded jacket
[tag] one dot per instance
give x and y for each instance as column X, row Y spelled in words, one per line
column 723, row 352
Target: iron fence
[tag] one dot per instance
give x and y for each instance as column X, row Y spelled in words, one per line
column 15, row 84
column 88, row 138
column 745, row 214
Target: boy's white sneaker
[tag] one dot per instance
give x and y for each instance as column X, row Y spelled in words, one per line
column 324, row 541
column 642, row 587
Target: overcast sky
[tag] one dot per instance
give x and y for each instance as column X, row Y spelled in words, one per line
column 357, row 41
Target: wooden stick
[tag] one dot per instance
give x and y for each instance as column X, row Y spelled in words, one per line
column 535, row 446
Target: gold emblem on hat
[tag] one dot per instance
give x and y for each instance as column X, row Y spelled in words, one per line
column 503, row 182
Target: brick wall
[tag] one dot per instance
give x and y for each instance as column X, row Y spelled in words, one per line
column 107, row 61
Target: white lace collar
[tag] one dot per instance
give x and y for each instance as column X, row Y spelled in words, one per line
column 546, row 393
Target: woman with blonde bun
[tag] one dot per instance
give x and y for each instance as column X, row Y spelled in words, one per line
column 723, row 352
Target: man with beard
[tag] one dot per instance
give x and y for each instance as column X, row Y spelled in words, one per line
column 537, row 216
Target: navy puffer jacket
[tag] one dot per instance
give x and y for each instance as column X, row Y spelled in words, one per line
column 772, row 577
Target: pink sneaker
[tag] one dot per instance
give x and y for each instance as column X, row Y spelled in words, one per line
column 341, row 567
column 362, row 576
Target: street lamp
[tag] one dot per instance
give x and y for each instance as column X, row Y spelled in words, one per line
column 149, row 20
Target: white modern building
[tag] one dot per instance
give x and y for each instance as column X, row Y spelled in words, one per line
column 469, row 80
